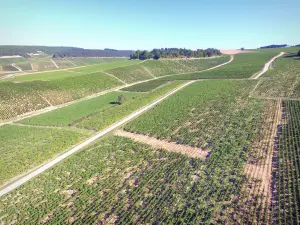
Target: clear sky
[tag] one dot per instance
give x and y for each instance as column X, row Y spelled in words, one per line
column 147, row 24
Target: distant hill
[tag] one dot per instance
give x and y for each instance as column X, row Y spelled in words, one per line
column 25, row 51
column 274, row 46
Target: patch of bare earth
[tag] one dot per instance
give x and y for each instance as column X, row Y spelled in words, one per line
column 254, row 201
column 169, row 146
column 234, row 51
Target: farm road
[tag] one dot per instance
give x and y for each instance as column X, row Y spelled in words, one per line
column 84, row 144
column 267, row 66
column 51, row 108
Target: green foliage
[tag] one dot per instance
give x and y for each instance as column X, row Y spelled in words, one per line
column 100, row 112
column 196, row 115
column 174, row 53
column 287, row 167
column 131, row 74
column 19, row 98
column 105, row 66
column 107, row 117
column 121, row 99
column 80, row 61
column 23, row 148
column 243, row 66
column 282, row 80
column 69, row 115
column 146, row 86
column 119, row 180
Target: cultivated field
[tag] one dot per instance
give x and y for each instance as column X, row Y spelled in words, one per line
column 97, row 113
column 243, row 66
column 221, row 149
column 282, row 81
column 23, row 148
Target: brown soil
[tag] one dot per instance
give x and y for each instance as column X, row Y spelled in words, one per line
column 234, row 51
column 259, row 168
column 169, row 146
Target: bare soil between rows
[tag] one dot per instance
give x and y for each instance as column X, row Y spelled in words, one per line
column 161, row 144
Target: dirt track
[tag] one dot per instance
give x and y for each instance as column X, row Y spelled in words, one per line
column 169, row 146
column 267, row 65
column 51, row 108
column 84, row 144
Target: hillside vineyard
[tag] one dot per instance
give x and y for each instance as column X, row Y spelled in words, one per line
column 177, row 137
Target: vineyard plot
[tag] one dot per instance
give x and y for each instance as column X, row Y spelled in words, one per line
column 146, row 86
column 20, row 98
column 23, row 148
column 252, row 204
column 131, row 74
column 199, row 121
column 286, row 167
column 243, row 66
column 281, row 81
column 119, row 180
column 69, row 115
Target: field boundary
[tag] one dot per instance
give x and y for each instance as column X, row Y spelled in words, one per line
column 54, row 63
column 118, row 88
column 29, row 176
column 267, row 66
column 114, row 77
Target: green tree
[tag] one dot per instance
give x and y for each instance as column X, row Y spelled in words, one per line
column 121, row 99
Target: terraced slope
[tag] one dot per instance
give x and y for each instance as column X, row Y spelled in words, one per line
column 158, row 68
column 19, row 98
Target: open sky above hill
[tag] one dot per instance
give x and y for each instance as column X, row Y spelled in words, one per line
column 149, row 24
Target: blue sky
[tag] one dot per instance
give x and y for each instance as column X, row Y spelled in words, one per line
column 147, row 24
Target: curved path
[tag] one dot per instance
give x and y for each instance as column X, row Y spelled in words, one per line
column 51, row 108
column 48, row 165
column 267, row 66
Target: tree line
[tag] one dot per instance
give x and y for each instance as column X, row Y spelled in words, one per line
column 174, row 53
column 274, row 46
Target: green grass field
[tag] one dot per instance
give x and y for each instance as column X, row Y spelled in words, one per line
column 244, row 65
column 146, row 86
column 23, row 148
